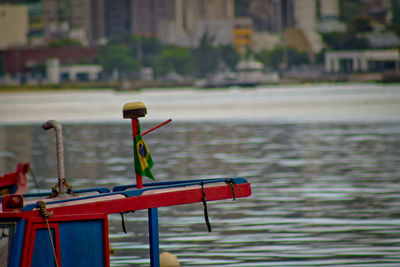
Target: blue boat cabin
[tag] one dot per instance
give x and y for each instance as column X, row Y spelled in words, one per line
column 75, row 230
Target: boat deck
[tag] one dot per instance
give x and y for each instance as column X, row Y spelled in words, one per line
column 129, row 198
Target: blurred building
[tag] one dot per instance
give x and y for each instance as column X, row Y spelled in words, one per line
column 380, row 40
column 329, row 9
column 380, row 10
column 81, row 20
column 243, row 34
column 278, row 15
column 56, row 15
column 14, row 23
column 265, row 41
column 78, row 73
column 148, row 15
column 296, row 20
column 117, row 17
column 271, row 15
column 362, row 61
column 36, row 24
column 264, row 15
column 305, row 18
column 303, row 35
column 97, row 23
column 270, row 18
column 19, row 61
column 305, row 14
column 328, row 17
column 195, row 17
column 178, row 22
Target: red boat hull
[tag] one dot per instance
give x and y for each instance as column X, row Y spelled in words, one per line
column 15, row 182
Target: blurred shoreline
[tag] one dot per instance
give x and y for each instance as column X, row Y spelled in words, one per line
column 346, row 102
column 287, row 79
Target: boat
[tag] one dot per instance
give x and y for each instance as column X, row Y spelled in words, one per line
column 248, row 73
column 15, row 182
column 251, row 73
column 67, row 227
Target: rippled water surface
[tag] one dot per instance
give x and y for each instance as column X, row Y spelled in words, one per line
column 323, row 193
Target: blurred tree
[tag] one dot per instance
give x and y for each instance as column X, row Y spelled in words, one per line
column 126, row 39
column 395, row 11
column 357, row 23
column 344, row 41
column 274, row 58
column 395, row 22
column 206, row 56
column 151, row 49
column 143, row 48
column 68, row 42
column 174, row 59
column 263, row 56
column 2, row 67
column 39, row 68
column 116, row 57
column 296, row 57
column 229, row 56
column 320, row 57
column 348, row 9
column 360, row 24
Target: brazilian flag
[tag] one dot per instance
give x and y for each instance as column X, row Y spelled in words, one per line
column 143, row 160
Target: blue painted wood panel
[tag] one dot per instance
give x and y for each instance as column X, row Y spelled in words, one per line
column 81, row 243
column 18, row 243
column 42, row 250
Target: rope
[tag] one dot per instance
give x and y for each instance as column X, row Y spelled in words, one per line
column 232, row 185
column 204, row 200
column 34, row 179
column 123, row 223
column 45, row 214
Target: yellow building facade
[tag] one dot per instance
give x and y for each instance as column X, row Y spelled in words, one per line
column 14, row 25
column 242, row 34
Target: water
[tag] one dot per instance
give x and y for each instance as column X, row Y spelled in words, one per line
column 294, row 103
column 325, row 193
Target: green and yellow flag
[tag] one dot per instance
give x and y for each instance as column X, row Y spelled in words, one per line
column 143, row 160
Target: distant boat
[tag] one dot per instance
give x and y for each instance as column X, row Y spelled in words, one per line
column 248, row 73
column 224, row 79
column 15, row 182
column 251, row 73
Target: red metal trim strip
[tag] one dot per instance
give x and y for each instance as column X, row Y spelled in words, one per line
column 169, row 198
column 106, row 241
column 178, row 196
column 31, row 245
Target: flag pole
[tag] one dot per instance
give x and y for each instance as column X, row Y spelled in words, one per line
column 139, row 180
column 133, row 111
column 155, row 127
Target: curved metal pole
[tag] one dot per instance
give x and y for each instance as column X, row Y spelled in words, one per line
column 60, row 152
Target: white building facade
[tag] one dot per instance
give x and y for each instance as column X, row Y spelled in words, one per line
column 361, row 61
